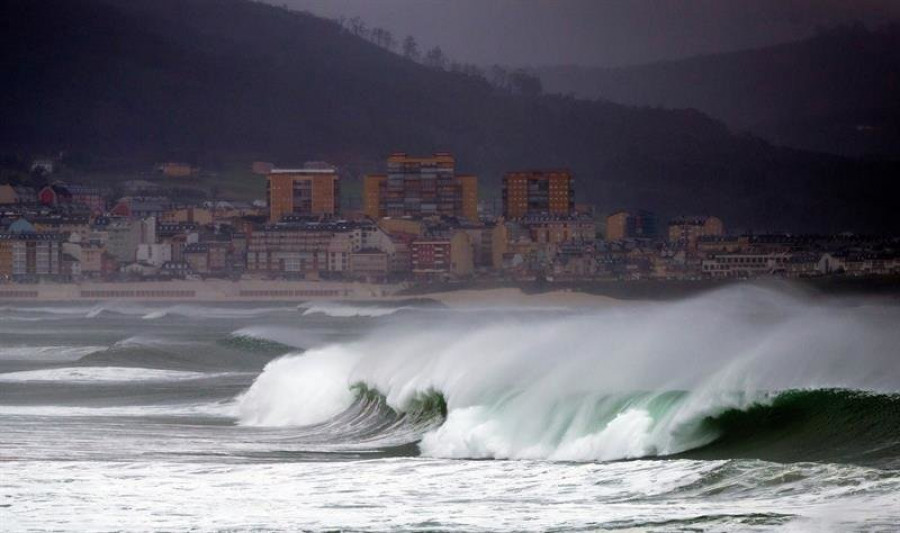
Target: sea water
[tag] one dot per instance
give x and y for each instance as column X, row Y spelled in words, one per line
column 747, row 408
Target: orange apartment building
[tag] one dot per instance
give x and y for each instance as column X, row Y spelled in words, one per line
column 304, row 192
column 538, row 192
column 421, row 187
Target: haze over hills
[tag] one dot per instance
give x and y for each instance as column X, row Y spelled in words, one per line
column 836, row 92
column 220, row 82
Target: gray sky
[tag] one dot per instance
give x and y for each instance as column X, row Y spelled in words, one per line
column 598, row 32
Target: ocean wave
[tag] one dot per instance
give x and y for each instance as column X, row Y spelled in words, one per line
column 342, row 310
column 630, row 382
column 102, row 374
column 145, row 311
column 47, row 353
column 214, row 410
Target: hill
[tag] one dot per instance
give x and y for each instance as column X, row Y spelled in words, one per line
column 836, row 92
column 219, row 81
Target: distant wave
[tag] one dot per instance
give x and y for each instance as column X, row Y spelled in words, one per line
column 47, row 353
column 281, row 337
column 100, row 374
column 145, row 311
column 215, row 410
column 629, row 382
column 342, row 310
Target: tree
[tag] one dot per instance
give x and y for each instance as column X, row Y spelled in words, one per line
column 474, row 71
column 525, row 84
column 377, row 36
column 358, row 27
column 499, row 77
column 435, row 58
column 410, row 48
column 389, row 42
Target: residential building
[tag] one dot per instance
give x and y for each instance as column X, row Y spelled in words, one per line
column 30, row 255
column 743, row 265
column 438, row 257
column 370, row 265
column 421, row 187
column 141, row 207
column 176, row 169
column 54, row 195
column 559, row 229
column 8, row 195
column 91, row 197
column 631, row 224
column 684, row 232
column 312, row 191
column 154, row 253
column 538, row 192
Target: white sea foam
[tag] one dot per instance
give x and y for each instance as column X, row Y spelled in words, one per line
column 298, row 390
column 607, row 384
column 427, row 494
column 218, row 410
column 342, row 310
column 102, row 373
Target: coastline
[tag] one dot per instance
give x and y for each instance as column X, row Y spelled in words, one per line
column 473, row 294
column 199, row 291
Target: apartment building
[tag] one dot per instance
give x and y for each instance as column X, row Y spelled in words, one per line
column 538, row 192
column 311, row 191
column 421, row 187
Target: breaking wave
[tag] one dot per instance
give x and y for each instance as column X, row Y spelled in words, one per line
column 741, row 365
column 47, row 353
column 341, row 310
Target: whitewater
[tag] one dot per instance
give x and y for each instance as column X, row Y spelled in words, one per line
column 747, row 408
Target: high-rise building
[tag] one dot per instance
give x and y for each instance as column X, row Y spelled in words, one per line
column 421, row 187
column 538, row 192
column 310, row 191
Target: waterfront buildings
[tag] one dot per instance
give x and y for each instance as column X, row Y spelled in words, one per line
column 538, row 192
column 421, row 187
column 312, row 191
column 29, row 256
column 685, row 231
column 631, row 224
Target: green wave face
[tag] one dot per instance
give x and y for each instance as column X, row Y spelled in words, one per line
column 827, row 425
column 831, row 425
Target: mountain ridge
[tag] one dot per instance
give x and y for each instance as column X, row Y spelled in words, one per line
column 214, row 81
column 834, row 92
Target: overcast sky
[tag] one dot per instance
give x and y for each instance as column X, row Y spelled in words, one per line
column 598, row 32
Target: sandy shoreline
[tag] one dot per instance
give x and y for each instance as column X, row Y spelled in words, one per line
column 507, row 297
column 298, row 291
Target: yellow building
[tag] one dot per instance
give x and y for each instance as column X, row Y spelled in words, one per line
column 469, row 190
column 373, row 187
column 617, row 226
column 176, row 170
column 196, row 215
column 538, row 192
column 303, row 192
